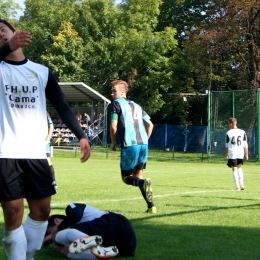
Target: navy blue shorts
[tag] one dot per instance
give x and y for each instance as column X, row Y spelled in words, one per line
column 115, row 229
column 25, row 178
column 234, row 162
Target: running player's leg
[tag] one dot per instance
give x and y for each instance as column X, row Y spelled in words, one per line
column 133, row 161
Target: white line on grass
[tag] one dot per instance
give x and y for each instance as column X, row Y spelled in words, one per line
column 140, row 198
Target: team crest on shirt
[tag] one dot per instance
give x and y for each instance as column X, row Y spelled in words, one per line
column 31, row 77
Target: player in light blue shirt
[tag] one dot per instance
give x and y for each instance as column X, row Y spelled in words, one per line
column 132, row 126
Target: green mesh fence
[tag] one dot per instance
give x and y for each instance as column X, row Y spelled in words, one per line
column 241, row 104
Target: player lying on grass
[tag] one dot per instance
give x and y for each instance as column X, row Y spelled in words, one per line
column 111, row 230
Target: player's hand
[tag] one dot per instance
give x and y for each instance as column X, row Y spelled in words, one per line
column 20, row 39
column 50, row 238
column 85, row 149
column 246, row 156
column 113, row 147
column 47, row 240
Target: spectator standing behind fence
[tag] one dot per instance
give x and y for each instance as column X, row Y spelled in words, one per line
column 24, row 169
column 48, row 148
column 133, row 127
column 85, row 119
column 236, row 151
column 98, row 122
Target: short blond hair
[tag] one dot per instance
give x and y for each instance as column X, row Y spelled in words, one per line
column 120, row 82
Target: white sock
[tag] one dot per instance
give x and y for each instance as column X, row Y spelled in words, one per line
column 66, row 236
column 241, row 176
column 34, row 232
column 235, row 177
column 15, row 244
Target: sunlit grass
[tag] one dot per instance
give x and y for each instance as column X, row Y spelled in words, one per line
column 200, row 215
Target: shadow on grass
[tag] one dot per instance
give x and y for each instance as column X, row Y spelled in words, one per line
column 203, row 209
column 196, row 242
column 183, row 242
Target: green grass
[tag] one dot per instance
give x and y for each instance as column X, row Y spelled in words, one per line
column 200, row 215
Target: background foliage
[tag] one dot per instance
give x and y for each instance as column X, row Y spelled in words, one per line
column 161, row 48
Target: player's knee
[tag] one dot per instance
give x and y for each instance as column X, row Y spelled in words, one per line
column 40, row 214
column 11, row 213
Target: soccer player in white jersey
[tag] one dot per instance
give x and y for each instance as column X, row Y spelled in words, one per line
column 236, row 151
column 24, row 170
column 133, row 127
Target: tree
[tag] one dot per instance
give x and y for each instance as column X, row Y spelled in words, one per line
column 227, row 30
column 107, row 42
column 66, row 54
column 8, row 9
column 44, row 23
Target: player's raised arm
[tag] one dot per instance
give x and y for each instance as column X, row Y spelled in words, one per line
column 20, row 39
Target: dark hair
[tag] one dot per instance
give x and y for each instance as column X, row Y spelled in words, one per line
column 232, row 120
column 51, row 222
column 7, row 24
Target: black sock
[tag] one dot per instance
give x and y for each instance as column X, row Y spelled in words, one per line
column 134, row 181
column 149, row 204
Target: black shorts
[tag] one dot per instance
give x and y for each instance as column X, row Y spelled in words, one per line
column 115, row 229
column 234, row 162
column 25, row 178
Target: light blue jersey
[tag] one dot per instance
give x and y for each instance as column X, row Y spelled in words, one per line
column 131, row 117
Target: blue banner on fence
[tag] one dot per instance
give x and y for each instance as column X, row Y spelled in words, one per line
column 182, row 138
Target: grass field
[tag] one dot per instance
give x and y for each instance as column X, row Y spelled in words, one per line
column 200, row 215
